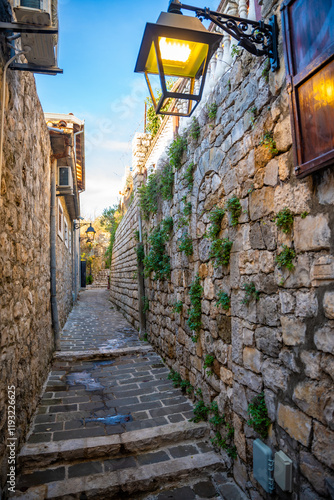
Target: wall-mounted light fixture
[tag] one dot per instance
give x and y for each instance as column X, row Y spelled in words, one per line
column 179, row 47
column 90, row 232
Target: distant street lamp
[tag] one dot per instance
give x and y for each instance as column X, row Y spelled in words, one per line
column 179, row 46
column 90, row 232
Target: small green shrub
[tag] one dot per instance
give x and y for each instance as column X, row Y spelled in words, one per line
column 235, row 50
column 187, row 208
column 221, row 442
column 136, row 235
column 212, row 111
column 223, row 300
column 182, row 222
column 195, row 129
column 167, row 182
column 195, row 313
column 148, row 196
column 258, row 413
column 216, row 420
column 157, row 260
column 284, row 220
column 189, row 176
column 178, row 306
column 175, row 377
column 251, row 293
column 146, row 304
column 186, row 244
column 220, row 251
column 215, row 217
column 175, row 151
column 208, row 362
column 285, row 258
column 89, row 279
column 140, row 253
column 226, row 442
column 167, row 227
column 201, row 412
column 268, row 142
column 186, row 387
column 304, row 215
column 233, row 205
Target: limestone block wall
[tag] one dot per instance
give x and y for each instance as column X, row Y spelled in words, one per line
column 282, row 343
column 25, row 325
column 64, row 271
column 123, row 275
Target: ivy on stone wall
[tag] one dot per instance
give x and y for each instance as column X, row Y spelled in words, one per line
column 195, row 312
column 186, row 244
column 148, row 196
column 157, row 260
column 176, row 150
column 189, row 176
column 233, row 205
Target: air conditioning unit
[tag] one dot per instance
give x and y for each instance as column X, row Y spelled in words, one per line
column 42, row 49
column 65, row 179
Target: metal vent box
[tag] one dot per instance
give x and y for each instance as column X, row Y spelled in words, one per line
column 263, row 465
column 283, row 471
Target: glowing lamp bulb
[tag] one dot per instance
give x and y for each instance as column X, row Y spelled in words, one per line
column 174, row 51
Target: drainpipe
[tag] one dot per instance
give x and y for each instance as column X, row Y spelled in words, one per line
column 141, row 286
column 53, row 237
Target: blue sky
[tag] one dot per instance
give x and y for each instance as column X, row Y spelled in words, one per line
column 98, row 47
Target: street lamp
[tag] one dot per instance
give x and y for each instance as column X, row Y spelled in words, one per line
column 90, row 232
column 179, row 46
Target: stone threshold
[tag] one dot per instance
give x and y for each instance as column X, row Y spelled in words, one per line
column 98, row 354
column 113, row 484
column 37, row 455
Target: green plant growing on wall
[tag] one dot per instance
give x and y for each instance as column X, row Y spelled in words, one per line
column 226, row 442
column 208, row 363
column 223, row 300
column 136, row 235
column 110, row 220
column 157, row 260
column 178, row 306
column 251, row 293
column 252, row 115
column 195, row 129
column 235, row 50
column 265, row 71
column 149, row 195
column 187, row 387
column 187, row 207
column 285, row 258
column 258, row 413
column 284, row 220
column 233, row 205
column 201, row 412
column 220, row 252
column 212, row 110
column 140, row 253
column 304, row 215
column 167, row 227
column 186, row 244
column 268, row 142
column 175, row 151
column 153, row 121
column 146, row 304
column 195, row 313
column 189, row 176
column 175, row 377
column 167, row 182
column 215, row 217
column 182, row 222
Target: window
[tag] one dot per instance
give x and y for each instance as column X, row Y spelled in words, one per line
column 308, row 31
column 65, row 232
column 60, row 221
column 70, row 241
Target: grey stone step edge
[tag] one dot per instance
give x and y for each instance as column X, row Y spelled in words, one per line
column 94, row 354
column 113, row 485
column 41, row 455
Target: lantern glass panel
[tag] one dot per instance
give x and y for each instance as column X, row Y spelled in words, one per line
column 179, row 57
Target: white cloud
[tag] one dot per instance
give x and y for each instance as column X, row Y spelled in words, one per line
column 115, row 146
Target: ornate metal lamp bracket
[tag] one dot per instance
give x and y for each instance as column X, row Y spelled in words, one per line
column 256, row 37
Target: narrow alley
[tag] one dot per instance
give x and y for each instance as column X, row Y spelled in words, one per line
column 110, row 425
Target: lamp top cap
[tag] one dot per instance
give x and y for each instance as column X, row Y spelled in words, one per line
column 173, row 20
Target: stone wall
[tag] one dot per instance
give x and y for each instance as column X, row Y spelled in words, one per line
column 64, row 270
column 123, row 277
column 26, row 334
column 282, row 343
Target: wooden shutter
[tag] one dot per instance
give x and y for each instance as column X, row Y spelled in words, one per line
column 308, row 35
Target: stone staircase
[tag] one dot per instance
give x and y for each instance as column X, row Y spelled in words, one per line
column 101, row 279
column 142, row 464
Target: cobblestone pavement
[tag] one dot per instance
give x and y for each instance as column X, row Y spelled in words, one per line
column 94, row 323
column 112, row 426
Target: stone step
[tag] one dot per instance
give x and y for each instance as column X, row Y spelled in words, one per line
column 122, row 478
column 40, row 455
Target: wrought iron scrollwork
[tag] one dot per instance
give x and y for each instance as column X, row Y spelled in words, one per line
column 256, row 37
